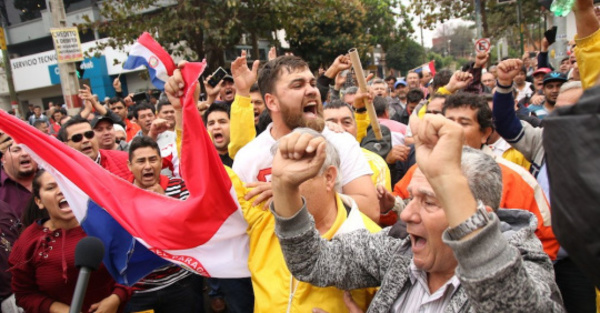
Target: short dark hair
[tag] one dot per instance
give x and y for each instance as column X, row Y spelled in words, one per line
column 142, row 106
column 414, row 96
column 77, row 119
column 254, row 88
column 142, row 142
column 391, row 77
column 441, row 79
column 114, row 100
column 215, row 107
column 337, row 104
column 524, row 70
column 38, row 123
column 381, row 105
column 475, row 102
column 37, row 107
column 270, row 72
column 161, row 104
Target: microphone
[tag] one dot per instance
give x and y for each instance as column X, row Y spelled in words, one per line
column 88, row 256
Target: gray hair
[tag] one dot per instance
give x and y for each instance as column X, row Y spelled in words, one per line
column 350, row 91
column 377, row 81
column 484, row 176
column 332, row 158
column 574, row 84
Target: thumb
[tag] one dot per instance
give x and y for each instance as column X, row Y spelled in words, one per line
column 255, row 66
column 414, row 122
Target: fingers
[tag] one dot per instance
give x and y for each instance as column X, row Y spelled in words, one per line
column 255, row 66
column 296, row 145
column 175, row 84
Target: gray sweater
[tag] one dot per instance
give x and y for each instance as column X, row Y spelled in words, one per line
column 503, row 268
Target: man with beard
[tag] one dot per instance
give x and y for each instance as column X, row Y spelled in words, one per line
column 104, row 129
column 290, row 93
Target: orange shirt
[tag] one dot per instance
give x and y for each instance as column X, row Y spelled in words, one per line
column 517, row 193
column 131, row 129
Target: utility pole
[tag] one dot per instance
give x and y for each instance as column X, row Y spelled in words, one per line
column 520, row 23
column 478, row 18
column 14, row 101
column 68, row 72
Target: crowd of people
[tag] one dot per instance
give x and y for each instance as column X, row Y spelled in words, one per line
column 448, row 211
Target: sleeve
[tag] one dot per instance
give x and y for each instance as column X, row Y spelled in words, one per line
column 251, row 214
column 587, row 53
column 23, row 283
column 123, row 292
column 506, row 120
column 241, row 126
column 543, row 60
column 362, row 123
column 323, row 83
column 401, row 188
column 349, row 261
column 498, row 276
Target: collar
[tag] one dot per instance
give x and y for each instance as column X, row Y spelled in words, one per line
column 99, row 158
column 500, row 145
column 420, row 276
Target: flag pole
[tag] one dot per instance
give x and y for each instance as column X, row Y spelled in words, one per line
column 362, row 85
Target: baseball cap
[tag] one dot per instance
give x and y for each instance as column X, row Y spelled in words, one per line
column 400, row 82
column 542, row 70
column 101, row 118
column 555, row 77
column 228, row 77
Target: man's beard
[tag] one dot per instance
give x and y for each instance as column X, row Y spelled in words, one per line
column 293, row 120
column 26, row 174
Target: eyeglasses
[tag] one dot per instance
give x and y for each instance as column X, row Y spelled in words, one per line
column 79, row 137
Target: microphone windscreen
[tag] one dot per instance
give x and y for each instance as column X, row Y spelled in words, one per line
column 89, row 253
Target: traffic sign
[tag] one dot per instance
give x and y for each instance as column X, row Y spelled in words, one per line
column 483, row 45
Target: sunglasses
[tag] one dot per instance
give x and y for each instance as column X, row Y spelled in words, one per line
column 79, row 137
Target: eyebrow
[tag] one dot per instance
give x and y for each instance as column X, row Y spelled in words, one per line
column 426, row 192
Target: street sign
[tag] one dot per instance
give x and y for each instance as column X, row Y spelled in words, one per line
column 483, row 45
column 67, row 44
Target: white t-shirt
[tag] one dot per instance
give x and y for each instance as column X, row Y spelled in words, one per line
column 525, row 92
column 253, row 162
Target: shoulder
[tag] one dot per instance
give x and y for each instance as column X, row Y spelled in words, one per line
column 261, row 145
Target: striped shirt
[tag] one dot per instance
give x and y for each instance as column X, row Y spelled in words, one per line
column 167, row 275
column 415, row 296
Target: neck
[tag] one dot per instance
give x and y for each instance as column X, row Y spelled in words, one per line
column 279, row 130
column 324, row 213
column 493, row 138
column 54, row 224
column 145, row 132
column 23, row 181
column 223, row 151
column 520, row 84
column 436, row 280
column 549, row 106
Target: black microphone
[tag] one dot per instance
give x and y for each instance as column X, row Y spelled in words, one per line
column 88, row 256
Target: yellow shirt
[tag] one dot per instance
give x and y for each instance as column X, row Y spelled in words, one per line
column 275, row 290
column 587, row 53
column 241, row 124
column 381, row 171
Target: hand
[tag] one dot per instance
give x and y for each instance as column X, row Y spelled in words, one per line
column 4, row 145
column 117, row 85
column 341, row 63
column 481, row 59
column 348, row 301
column 262, row 191
column 508, row 70
column 537, row 99
column 211, row 92
column 334, row 127
column 359, row 99
column 243, row 77
column 59, row 307
column 438, row 145
column 203, row 106
column 157, row 127
column 398, row 153
column 272, row 54
column 545, row 45
column 86, row 94
column 156, row 188
column 386, row 199
column 298, row 159
column 458, row 81
column 109, row 304
column 129, row 100
column 340, row 80
column 175, row 84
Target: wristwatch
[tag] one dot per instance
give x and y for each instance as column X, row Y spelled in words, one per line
column 361, row 110
column 478, row 220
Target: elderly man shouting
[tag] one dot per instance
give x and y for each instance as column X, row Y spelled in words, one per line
column 463, row 253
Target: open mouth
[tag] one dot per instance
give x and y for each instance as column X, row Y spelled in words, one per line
column 310, row 109
column 25, row 162
column 218, row 137
column 64, row 205
column 228, row 92
column 148, row 175
column 86, row 150
column 418, row 242
column 256, row 113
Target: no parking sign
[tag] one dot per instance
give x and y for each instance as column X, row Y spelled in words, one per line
column 483, row 45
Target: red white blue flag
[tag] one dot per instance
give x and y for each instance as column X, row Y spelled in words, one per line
column 205, row 233
column 147, row 52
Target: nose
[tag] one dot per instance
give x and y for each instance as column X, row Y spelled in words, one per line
column 410, row 214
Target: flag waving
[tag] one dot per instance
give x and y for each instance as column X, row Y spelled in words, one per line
column 205, row 233
column 147, row 52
